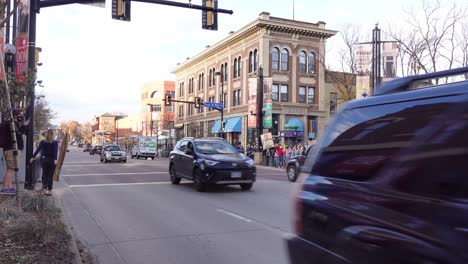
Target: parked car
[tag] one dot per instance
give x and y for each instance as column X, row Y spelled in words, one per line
column 294, row 165
column 113, row 153
column 80, row 145
column 88, row 147
column 96, row 150
column 388, row 181
column 210, row 161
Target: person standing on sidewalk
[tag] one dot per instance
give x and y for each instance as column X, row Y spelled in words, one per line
column 49, row 148
column 21, row 127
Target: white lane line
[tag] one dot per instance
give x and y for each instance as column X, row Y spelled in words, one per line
column 117, row 173
column 234, row 215
column 117, row 184
column 141, row 183
column 100, row 164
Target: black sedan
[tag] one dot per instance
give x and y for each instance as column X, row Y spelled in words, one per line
column 210, row 162
column 294, row 165
column 96, row 150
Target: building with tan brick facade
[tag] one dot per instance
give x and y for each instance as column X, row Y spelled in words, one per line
column 288, row 51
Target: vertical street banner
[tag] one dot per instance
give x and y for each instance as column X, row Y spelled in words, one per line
column 22, row 41
column 252, row 101
column 267, row 105
column 3, row 4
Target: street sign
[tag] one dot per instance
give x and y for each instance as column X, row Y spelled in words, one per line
column 213, row 105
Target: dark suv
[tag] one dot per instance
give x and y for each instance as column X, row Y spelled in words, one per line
column 389, row 180
column 294, row 165
column 210, row 161
column 96, row 150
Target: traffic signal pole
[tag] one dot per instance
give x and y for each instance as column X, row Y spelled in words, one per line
column 183, row 5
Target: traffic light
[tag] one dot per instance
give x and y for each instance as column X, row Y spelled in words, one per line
column 198, row 102
column 167, row 99
column 210, row 18
column 223, row 125
column 121, row 9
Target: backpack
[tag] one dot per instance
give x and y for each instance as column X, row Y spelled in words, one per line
column 4, row 133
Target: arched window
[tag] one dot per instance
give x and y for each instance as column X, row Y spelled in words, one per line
column 222, row 72
column 284, row 59
column 235, row 68
column 239, row 66
column 275, row 59
column 214, row 81
column 255, row 59
column 251, row 61
column 311, row 63
column 203, row 80
column 209, row 78
column 302, row 61
column 225, row 72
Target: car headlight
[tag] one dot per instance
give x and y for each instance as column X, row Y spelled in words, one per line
column 250, row 162
column 211, row 162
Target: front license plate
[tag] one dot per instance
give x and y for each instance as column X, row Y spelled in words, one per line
column 236, row 174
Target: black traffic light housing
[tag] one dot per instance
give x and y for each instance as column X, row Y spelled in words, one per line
column 167, row 99
column 121, row 9
column 198, row 102
column 223, row 125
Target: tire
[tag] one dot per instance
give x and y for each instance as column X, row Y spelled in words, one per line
column 246, row 186
column 124, row 161
column 152, row 158
column 197, row 184
column 174, row 179
column 138, row 157
column 292, row 173
column 101, row 159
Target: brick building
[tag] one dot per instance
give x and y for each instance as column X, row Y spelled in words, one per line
column 288, row 51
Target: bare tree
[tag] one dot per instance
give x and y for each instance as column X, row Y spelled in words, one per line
column 43, row 114
column 343, row 75
column 463, row 44
column 428, row 42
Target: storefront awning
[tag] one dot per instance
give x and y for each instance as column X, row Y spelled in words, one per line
column 234, row 124
column 294, row 124
column 216, row 127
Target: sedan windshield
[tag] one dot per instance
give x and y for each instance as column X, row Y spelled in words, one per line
column 113, row 148
column 215, row 147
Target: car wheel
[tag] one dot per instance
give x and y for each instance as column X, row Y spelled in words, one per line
column 292, row 173
column 197, row 183
column 152, row 158
column 124, row 161
column 246, row 186
column 138, row 157
column 174, row 178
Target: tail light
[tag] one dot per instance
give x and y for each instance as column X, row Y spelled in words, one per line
column 298, row 229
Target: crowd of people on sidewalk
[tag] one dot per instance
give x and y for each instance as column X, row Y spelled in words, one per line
column 278, row 154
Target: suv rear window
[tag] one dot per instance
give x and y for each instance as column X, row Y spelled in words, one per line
column 361, row 140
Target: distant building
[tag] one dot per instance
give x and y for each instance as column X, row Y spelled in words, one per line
column 104, row 128
column 289, row 52
column 161, row 118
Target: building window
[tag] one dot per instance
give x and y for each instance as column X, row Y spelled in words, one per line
column 275, row 59
column 203, row 80
column 284, row 59
column 191, row 86
column 200, row 82
column 181, row 111
column 275, row 92
column 209, row 78
column 284, row 93
column 200, row 110
column 251, row 62
column 311, row 95
column 255, row 64
column 222, row 72
column 225, row 75
column 302, row 95
column 311, row 63
column 237, row 98
column 333, row 103
column 302, row 61
column 181, row 89
column 239, row 66
column 213, row 81
column 235, row 68
column 155, row 108
column 211, row 100
column 190, row 110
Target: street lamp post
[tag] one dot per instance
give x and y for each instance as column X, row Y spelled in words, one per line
column 222, row 101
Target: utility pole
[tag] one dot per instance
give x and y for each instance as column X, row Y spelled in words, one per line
column 259, row 106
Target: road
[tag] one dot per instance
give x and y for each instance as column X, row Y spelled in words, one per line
column 130, row 213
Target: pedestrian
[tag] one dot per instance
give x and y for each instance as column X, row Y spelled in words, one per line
column 287, row 154
column 11, row 155
column 49, row 152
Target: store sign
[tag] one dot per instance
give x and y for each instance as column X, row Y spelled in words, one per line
column 268, row 115
column 291, row 134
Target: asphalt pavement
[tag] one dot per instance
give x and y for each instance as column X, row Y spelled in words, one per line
column 130, row 213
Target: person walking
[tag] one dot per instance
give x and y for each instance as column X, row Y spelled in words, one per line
column 21, row 127
column 49, row 152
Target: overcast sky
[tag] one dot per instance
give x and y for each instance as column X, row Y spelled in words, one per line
column 93, row 64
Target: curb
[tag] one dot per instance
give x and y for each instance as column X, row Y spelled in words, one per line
column 73, row 246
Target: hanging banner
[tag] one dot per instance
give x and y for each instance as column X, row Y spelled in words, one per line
column 252, row 102
column 22, row 41
column 267, row 105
